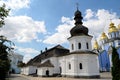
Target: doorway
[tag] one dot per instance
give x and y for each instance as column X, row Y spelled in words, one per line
column 47, row 73
column 60, row 70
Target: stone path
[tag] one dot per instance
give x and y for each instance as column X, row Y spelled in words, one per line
column 104, row 76
column 17, row 77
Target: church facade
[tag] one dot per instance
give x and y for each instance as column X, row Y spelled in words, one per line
column 104, row 48
column 78, row 61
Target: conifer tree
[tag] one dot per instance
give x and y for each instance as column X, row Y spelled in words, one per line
column 115, row 65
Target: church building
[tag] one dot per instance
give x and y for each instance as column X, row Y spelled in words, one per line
column 104, row 48
column 77, row 61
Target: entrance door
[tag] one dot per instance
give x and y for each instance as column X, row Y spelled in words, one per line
column 47, row 73
column 36, row 71
column 60, row 70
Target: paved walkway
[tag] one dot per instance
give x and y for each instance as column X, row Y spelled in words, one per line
column 17, row 77
column 104, row 76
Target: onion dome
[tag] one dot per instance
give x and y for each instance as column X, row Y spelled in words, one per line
column 96, row 46
column 119, row 27
column 103, row 36
column 112, row 28
column 79, row 29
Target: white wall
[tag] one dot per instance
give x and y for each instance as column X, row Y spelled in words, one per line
column 55, row 62
column 89, row 64
column 80, row 39
column 42, row 71
column 28, row 70
column 32, row 69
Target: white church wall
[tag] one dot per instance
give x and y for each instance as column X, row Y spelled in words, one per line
column 89, row 63
column 62, row 61
column 32, row 69
column 55, row 62
column 26, row 70
column 64, row 64
column 80, row 39
column 42, row 71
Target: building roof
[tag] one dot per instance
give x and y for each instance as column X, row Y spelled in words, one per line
column 56, row 51
column 46, row 64
column 79, row 29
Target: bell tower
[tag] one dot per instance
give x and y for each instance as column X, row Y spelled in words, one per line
column 80, row 40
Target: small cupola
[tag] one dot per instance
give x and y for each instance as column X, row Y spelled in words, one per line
column 103, row 36
column 96, row 46
column 113, row 31
column 112, row 28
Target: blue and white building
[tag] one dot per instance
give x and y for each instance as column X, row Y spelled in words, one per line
column 104, row 48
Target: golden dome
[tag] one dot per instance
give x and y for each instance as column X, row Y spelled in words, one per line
column 112, row 28
column 119, row 27
column 103, row 36
column 96, row 46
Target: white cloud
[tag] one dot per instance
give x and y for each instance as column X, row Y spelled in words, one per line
column 16, row 4
column 27, row 50
column 100, row 22
column 97, row 22
column 28, row 53
column 89, row 14
column 22, row 28
column 27, row 57
column 62, row 32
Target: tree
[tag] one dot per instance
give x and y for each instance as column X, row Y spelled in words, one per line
column 115, row 65
column 4, row 60
column 3, row 14
column 21, row 64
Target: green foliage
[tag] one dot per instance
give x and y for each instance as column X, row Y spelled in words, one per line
column 3, row 14
column 4, row 60
column 21, row 64
column 115, row 65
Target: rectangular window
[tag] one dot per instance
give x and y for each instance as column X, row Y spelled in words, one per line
column 69, row 66
column 72, row 47
column 80, row 65
column 87, row 45
column 79, row 45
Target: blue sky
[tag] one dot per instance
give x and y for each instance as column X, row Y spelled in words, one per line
column 36, row 24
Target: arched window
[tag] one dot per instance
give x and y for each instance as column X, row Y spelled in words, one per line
column 80, row 65
column 79, row 45
column 72, row 47
column 87, row 45
column 69, row 66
